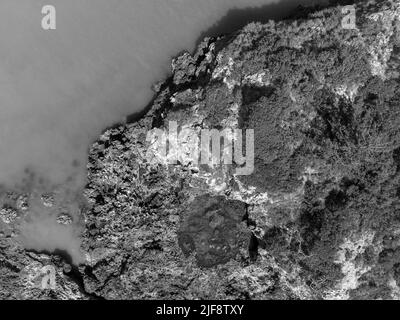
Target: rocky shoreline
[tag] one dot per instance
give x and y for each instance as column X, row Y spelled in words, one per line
column 319, row 218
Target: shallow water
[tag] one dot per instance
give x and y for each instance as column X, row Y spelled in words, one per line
column 59, row 89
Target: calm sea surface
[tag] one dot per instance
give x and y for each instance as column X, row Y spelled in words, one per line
column 59, row 89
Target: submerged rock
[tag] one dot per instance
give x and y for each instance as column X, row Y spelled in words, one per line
column 318, row 218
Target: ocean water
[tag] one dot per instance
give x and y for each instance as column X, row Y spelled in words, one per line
column 60, row 88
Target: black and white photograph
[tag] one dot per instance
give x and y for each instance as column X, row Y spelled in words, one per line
column 197, row 156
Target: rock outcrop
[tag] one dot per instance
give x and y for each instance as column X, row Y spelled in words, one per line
column 318, row 218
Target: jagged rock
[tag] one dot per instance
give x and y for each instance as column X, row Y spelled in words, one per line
column 318, row 217
column 322, row 102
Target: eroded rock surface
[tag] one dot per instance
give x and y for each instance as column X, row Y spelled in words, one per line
column 317, row 219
